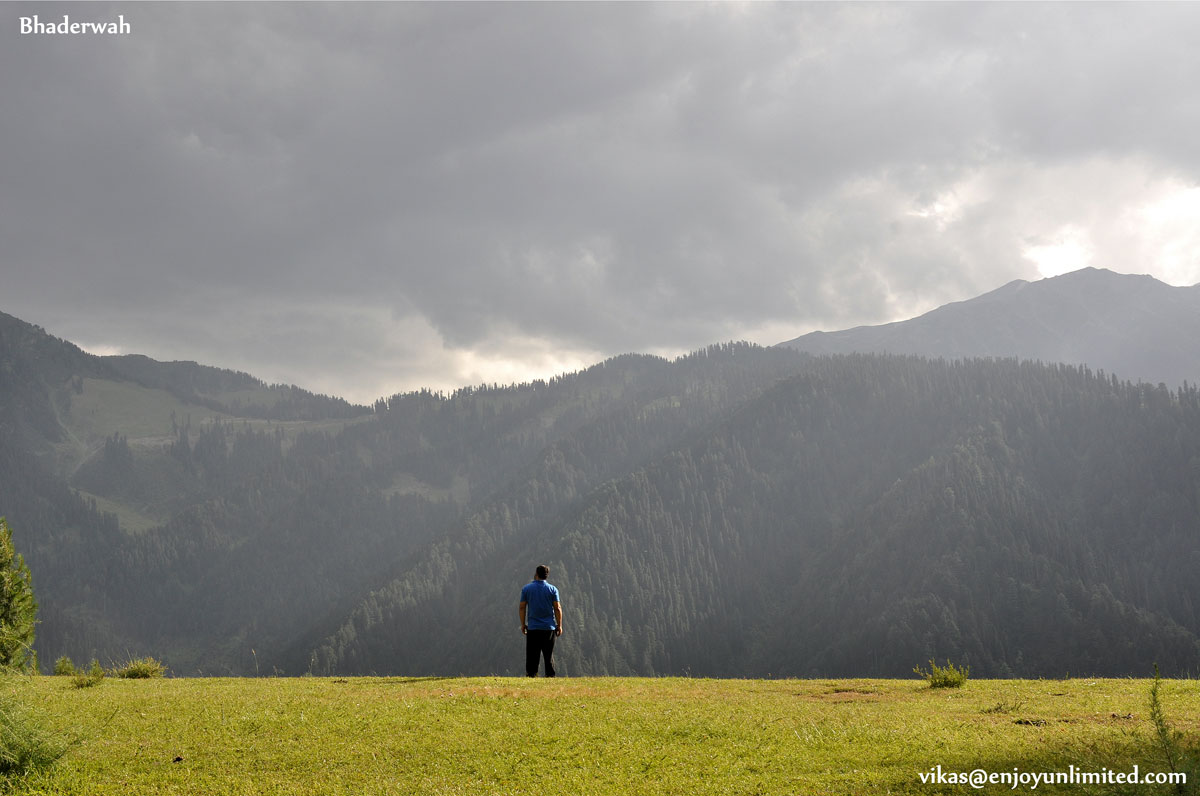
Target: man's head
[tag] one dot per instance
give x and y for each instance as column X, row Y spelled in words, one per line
column 542, row 572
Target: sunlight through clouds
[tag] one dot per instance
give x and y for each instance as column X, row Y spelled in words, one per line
column 1068, row 249
column 1170, row 227
column 540, row 186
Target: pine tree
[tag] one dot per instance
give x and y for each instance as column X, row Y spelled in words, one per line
column 18, row 608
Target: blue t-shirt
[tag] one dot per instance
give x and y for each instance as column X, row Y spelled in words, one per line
column 539, row 598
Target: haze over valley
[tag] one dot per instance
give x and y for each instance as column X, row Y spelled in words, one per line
column 739, row 511
column 797, row 338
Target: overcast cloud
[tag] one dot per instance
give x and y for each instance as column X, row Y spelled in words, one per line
column 369, row 198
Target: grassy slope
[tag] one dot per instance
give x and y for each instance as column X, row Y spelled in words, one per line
column 589, row 735
column 105, row 407
column 144, row 416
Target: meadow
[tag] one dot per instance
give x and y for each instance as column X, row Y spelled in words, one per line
column 596, row 735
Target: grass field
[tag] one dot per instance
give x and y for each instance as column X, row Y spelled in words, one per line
column 144, row 415
column 592, row 735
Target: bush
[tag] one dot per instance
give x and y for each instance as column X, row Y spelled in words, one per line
column 18, row 608
column 93, row 676
column 65, row 667
column 141, row 669
column 1180, row 756
column 25, row 744
column 948, row 676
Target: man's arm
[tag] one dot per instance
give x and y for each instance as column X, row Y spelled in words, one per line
column 558, row 618
column 521, row 611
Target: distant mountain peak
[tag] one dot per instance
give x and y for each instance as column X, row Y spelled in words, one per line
column 1132, row 325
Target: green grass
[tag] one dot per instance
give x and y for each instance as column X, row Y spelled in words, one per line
column 407, row 484
column 590, row 735
column 133, row 520
column 106, row 407
column 143, row 415
column 26, row 743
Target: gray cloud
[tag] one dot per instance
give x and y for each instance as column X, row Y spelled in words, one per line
column 363, row 198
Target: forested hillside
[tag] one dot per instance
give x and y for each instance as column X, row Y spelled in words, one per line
column 859, row 518
column 739, row 511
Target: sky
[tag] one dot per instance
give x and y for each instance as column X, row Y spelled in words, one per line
column 370, row 198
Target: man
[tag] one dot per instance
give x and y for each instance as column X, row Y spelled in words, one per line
column 541, row 621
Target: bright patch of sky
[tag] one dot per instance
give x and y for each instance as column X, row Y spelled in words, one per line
column 368, row 198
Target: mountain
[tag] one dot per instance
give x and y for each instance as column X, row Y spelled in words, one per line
column 738, row 511
column 1134, row 326
column 857, row 518
column 90, row 461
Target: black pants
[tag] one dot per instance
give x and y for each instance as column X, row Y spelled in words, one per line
column 539, row 644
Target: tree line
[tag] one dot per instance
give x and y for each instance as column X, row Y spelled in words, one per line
column 739, row 511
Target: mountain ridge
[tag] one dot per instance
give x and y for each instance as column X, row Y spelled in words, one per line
column 1131, row 325
column 1025, row 518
